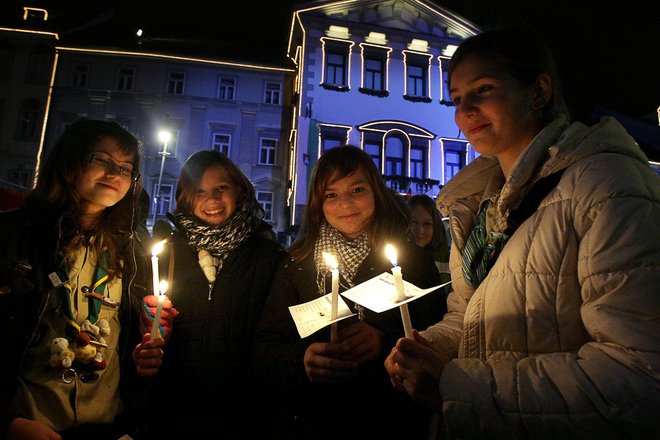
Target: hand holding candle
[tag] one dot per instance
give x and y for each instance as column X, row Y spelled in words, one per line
column 159, row 310
column 332, row 262
column 390, row 251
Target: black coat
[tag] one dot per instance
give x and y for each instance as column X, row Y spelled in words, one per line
column 28, row 253
column 205, row 379
column 366, row 406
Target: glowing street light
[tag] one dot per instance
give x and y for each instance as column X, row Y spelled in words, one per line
column 164, row 137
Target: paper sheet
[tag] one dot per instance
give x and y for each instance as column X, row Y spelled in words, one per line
column 379, row 294
column 314, row 315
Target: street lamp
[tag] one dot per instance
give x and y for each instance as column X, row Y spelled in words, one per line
column 164, row 136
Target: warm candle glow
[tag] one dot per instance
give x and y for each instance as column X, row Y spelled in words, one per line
column 163, row 287
column 158, row 247
column 390, row 251
column 330, row 260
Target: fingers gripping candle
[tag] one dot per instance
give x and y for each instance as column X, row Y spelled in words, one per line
column 390, row 251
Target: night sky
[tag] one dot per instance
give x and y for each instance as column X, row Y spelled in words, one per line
column 607, row 56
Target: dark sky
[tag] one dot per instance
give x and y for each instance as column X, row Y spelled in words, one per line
column 607, row 56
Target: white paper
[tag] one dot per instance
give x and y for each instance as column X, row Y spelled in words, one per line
column 314, row 315
column 379, row 294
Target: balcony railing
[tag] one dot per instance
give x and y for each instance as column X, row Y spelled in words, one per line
column 412, row 185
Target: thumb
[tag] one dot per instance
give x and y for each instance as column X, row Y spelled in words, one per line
column 421, row 339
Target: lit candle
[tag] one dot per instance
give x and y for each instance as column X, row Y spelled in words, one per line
column 159, row 310
column 332, row 262
column 154, row 263
column 390, row 251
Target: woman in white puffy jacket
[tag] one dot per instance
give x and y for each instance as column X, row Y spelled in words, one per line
column 553, row 325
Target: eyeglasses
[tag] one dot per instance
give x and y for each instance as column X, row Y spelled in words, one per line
column 112, row 168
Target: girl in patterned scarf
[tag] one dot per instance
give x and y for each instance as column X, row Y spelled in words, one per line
column 221, row 261
column 341, row 385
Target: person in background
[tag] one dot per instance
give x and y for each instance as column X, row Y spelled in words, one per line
column 553, row 329
column 428, row 231
column 72, row 277
column 222, row 262
column 318, row 388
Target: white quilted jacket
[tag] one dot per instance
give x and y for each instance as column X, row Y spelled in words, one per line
column 562, row 338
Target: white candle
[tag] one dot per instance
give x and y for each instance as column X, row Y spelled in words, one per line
column 332, row 262
column 159, row 310
column 154, row 264
column 390, row 251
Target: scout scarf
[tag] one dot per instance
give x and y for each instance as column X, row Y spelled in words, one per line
column 95, row 293
column 349, row 255
column 218, row 240
column 481, row 250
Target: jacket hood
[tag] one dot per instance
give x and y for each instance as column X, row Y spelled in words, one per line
column 556, row 147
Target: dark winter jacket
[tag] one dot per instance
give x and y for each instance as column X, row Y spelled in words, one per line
column 205, row 379
column 366, row 406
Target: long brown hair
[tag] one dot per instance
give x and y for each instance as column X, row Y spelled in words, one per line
column 55, row 192
column 390, row 217
column 191, row 174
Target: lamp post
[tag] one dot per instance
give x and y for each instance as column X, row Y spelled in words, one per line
column 164, row 136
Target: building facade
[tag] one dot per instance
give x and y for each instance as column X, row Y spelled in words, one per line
column 372, row 74
column 204, row 104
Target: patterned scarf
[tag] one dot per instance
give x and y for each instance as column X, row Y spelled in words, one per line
column 349, row 255
column 217, row 240
column 481, row 250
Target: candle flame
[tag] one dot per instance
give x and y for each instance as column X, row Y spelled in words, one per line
column 163, row 287
column 330, row 260
column 158, row 247
column 390, row 251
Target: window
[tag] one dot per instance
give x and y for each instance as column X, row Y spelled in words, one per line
column 417, row 163
column 452, row 164
column 394, row 157
column 335, row 72
column 162, row 204
column 267, row 151
column 416, row 81
column 38, row 70
column 221, row 143
column 272, row 93
column 28, row 119
column 336, row 56
column 226, row 88
column 373, row 150
column 374, row 69
column 374, row 74
column 176, row 83
column 266, row 200
column 454, row 157
column 417, row 76
column 79, row 75
column 332, row 136
column 125, row 78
